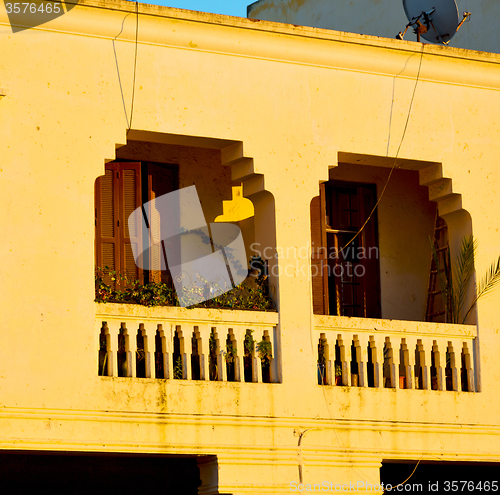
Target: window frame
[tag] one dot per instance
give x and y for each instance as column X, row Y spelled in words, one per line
column 143, row 194
column 327, row 289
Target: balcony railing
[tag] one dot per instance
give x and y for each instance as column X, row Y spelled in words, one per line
column 394, row 354
column 187, row 344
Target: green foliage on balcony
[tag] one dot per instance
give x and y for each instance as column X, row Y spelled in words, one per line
column 112, row 287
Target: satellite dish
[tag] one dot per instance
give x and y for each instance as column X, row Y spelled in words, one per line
column 436, row 21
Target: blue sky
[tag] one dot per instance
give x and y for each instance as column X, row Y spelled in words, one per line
column 226, row 7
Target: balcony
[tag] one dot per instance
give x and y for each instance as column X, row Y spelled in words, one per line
column 187, row 344
column 377, row 353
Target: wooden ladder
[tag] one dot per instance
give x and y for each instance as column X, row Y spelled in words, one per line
column 435, row 310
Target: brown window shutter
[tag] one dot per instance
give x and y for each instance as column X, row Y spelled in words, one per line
column 319, row 255
column 160, row 180
column 117, row 195
column 106, row 206
column 129, row 199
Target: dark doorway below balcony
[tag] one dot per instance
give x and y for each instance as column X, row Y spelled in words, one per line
column 438, row 477
column 91, row 473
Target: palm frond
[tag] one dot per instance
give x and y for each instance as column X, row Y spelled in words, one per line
column 454, row 280
column 491, row 279
column 464, row 268
column 487, row 284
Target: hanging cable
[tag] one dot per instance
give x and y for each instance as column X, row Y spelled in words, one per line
column 412, row 473
column 397, row 153
column 135, row 64
column 343, row 447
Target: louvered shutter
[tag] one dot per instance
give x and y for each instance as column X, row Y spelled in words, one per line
column 130, row 199
column 106, row 207
column 161, row 180
column 117, row 194
column 319, row 255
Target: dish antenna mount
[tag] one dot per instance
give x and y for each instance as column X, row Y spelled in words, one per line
column 436, row 21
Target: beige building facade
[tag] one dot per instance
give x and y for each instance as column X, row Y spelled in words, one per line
column 317, row 127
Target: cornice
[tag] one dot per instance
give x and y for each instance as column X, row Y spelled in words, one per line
column 285, row 43
column 221, row 420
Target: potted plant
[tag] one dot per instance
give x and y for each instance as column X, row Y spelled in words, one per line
column 354, row 374
column 338, row 374
column 402, row 376
column 321, row 363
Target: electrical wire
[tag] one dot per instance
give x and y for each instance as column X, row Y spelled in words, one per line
column 412, row 473
column 342, row 447
column 397, row 153
column 129, row 121
column 135, row 64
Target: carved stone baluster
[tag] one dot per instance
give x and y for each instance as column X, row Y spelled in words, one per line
column 169, row 346
column 469, row 360
column 411, row 379
column 161, row 354
column 379, row 360
column 425, row 361
column 204, row 351
column 239, row 339
column 363, row 349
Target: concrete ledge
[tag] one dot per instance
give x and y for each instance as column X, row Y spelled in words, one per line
column 201, row 315
column 404, row 328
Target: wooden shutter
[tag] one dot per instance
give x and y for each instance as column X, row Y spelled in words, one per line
column 130, row 199
column 106, row 236
column 117, row 195
column 160, row 180
column 319, row 255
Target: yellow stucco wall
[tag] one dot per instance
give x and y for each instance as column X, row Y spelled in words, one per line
column 277, row 106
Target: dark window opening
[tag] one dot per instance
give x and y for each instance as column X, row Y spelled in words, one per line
column 345, row 266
